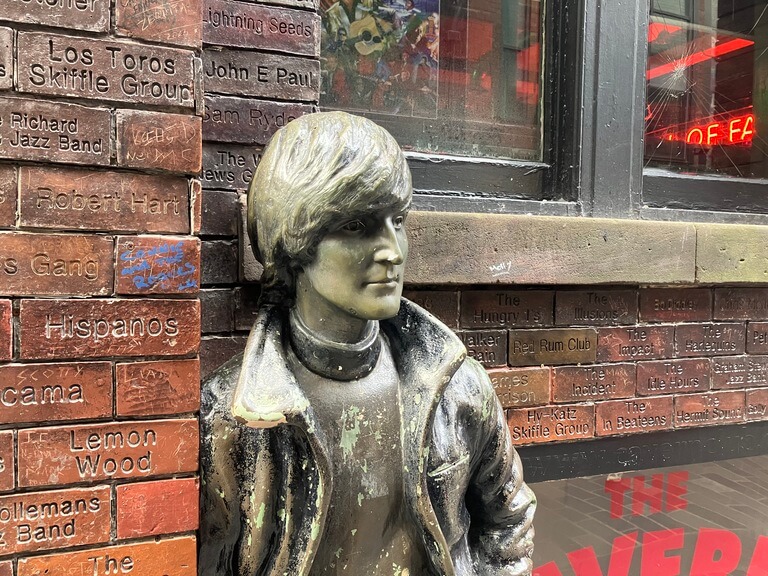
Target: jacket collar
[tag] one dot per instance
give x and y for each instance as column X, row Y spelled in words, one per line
column 426, row 354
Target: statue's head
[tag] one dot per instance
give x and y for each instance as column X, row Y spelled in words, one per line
column 331, row 178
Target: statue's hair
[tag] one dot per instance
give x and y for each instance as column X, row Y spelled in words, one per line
column 316, row 172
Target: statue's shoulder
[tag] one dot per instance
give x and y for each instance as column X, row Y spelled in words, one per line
column 218, row 387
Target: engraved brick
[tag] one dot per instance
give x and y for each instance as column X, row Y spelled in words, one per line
column 158, row 388
column 501, row 308
column 228, row 166
column 6, row 58
column 160, row 507
column 672, row 376
column 757, row 337
column 221, row 211
column 92, row 15
column 245, row 120
column 6, row 461
column 757, row 404
column 741, row 304
column 6, row 330
column 215, row 350
column 157, row 265
column 84, row 199
column 51, row 392
column 74, row 517
column 105, row 70
column 196, row 205
column 709, row 408
column 170, row 21
column 634, row 416
column 554, row 346
column 55, row 264
column 517, row 387
column 551, row 423
column 635, row 343
column 489, row 347
column 710, row 339
column 217, row 310
column 7, row 196
column 443, row 304
column 739, row 371
column 170, row 142
column 595, row 307
column 245, row 73
column 92, row 452
column 6, row 568
column 109, row 327
column 228, row 23
column 170, row 557
column 218, row 260
column 675, row 304
column 597, row 382
column 32, row 129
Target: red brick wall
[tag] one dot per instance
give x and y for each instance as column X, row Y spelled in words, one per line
column 100, row 141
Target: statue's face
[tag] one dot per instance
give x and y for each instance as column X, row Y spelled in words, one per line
column 358, row 266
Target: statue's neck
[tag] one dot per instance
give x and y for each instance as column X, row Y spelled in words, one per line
column 335, row 360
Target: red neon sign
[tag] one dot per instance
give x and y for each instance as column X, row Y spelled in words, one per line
column 737, row 130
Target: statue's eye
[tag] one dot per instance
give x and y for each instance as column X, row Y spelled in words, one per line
column 354, row 226
column 398, row 222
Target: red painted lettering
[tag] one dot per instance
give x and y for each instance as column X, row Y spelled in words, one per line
column 717, row 553
column 655, row 547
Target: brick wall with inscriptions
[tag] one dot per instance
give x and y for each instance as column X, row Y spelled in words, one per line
column 260, row 70
column 100, row 146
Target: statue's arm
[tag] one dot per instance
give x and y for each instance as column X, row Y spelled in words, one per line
column 500, row 504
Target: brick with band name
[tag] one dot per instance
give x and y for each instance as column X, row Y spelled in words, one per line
column 158, row 507
column 156, row 388
column 103, row 328
column 112, row 70
column 54, row 519
column 552, row 346
column 634, row 415
column 6, row 58
column 170, row 21
column 741, row 304
column 247, row 120
column 551, row 423
column 95, row 452
column 443, row 304
column 730, row 372
column 37, row 130
column 55, row 264
column 595, row 382
column 51, row 392
column 246, row 73
column 7, row 196
column 86, row 199
column 675, row 304
column 710, row 339
column 229, row 23
column 517, row 387
column 90, row 15
column 757, row 338
column 169, row 142
column 645, row 342
column 228, row 166
column 170, row 557
column 489, row 347
column 595, row 307
column 504, row 308
column 709, row 408
column 672, row 376
column 157, row 265
column 7, row 463
column 757, row 404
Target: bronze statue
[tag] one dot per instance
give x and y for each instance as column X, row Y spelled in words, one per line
column 353, row 436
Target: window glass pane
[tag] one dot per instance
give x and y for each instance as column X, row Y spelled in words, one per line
column 707, row 87
column 444, row 76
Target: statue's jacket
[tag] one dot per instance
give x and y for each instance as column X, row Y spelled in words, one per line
column 267, row 478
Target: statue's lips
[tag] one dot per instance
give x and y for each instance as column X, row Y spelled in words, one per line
column 385, row 282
